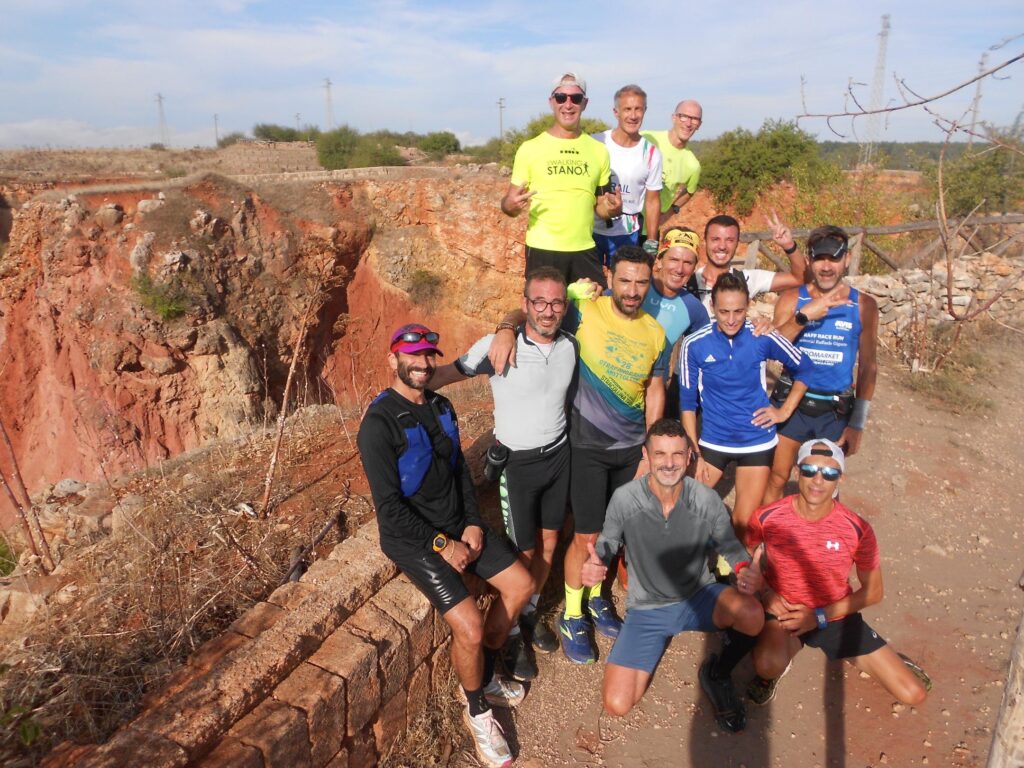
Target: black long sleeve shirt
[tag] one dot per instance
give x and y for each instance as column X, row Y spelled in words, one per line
column 445, row 502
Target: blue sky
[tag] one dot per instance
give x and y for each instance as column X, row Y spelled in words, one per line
column 87, row 74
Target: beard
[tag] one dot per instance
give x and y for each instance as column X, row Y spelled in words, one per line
column 540, row 330
column 404, row 370
column 628, row 311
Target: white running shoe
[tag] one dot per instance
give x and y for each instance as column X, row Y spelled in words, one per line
column 491, row 747
column 504, row 692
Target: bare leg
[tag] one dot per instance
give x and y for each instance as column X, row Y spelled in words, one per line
column 738, row 611
column 467, row 634
column 514, row 586
column 888, row 668
column 750, row 485
column 575, row 556
column 782, row 468
column 774, row 650
column 623, row 687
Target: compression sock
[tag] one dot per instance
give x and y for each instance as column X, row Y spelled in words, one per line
column 490, row 656
column 573, row 602
column 735, row 646
column 477, row 702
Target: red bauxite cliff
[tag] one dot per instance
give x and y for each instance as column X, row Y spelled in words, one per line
column 137, row 324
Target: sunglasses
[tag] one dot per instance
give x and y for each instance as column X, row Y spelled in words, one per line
column 827, row 473
column 539, row 305
column 561, row 98
column 411, row 337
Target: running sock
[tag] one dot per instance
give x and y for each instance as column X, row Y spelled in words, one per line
column 594, row 591
column 735, row 646
column 573, row 602
column 477, row 701
column 490, row 656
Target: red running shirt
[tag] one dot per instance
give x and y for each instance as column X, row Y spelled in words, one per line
column 810, row 562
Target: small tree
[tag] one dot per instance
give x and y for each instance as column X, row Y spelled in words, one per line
column 334, row 149
column 439, row 144
column 229, row 139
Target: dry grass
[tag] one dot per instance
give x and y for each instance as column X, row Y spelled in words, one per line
column 436, row 734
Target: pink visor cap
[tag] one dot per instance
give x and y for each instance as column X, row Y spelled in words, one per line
column 414, row 338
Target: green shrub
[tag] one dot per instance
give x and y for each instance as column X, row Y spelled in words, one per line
column 229, row 139
column 168, row 301
column 334, row 149
column 740, row 165
column 372, row 151
column 424, row 287
column 174, row 171
column 272, row 132
column 515, row 137
column 8, row 561
column 485, row 153
column 440, row 144
column 346, row 148
column 991, row 176
column 156, row 146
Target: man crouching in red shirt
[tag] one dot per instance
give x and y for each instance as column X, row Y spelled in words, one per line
column 811, row 541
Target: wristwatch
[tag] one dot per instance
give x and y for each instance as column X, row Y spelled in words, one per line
column 819, row 614
column 674, row 208
column 440, row 542
column 801, row 318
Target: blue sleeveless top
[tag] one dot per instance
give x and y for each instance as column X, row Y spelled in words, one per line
column 832, row 344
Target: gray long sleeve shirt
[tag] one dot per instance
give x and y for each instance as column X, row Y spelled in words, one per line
column 667, row 557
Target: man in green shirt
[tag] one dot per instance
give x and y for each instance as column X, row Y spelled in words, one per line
column 561, row 177
column 680, row 169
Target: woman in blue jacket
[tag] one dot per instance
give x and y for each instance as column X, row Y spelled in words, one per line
column 722, row 368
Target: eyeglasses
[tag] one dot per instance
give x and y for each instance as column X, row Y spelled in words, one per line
column 686, row 118
column 411, row 337
column 539, row 305
column 827, row 473
column 561, row 98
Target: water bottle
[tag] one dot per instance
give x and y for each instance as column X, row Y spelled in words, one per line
column 497, row 458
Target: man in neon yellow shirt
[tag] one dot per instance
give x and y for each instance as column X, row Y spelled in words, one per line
column 561, row 177
column 680, row 169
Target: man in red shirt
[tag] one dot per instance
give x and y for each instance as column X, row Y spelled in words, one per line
column 811, row 542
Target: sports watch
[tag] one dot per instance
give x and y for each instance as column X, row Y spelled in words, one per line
column 674, row 208
column 440, row 542
column 801, row 318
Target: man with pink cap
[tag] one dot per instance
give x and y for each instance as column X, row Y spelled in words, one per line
column 431, row 528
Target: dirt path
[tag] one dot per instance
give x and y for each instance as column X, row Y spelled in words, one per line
column 944, row 494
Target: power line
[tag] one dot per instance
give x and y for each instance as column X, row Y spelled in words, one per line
column 330, row 106
column 867, row 149
column 164, row 138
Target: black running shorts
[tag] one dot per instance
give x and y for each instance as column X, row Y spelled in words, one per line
column 572, row 264
column 441, row 583
column 534, row 490
column 722, row 459
column 844, row 638
column 596, row 473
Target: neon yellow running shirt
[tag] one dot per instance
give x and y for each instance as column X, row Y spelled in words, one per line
column 678, row 166
column 564, row 175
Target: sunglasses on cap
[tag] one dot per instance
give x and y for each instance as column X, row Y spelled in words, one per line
column 827, row 473
column 561, row 98
column 411, row 337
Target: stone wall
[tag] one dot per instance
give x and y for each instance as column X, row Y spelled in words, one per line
column 327, row 671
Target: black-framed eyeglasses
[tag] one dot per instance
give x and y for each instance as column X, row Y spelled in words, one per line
column 828, row 473
column 539, row 305
column 687, row 118
column 561, row 98
column 411, row 337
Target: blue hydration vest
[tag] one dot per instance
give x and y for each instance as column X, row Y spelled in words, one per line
column 418, row 454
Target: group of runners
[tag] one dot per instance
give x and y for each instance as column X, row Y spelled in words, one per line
column 591, row 416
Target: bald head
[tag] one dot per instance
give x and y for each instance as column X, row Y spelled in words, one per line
column 685, row 121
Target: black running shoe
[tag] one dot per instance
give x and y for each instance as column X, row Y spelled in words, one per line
column 541, row 636
column 517, row 660
column 730, row 713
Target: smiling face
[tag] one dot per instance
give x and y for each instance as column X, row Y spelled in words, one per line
column 629, row 111
column 826, row 274
column 568, row 115
column 668, row 456
column 629, row 283
column 721, row 243
column 686, row 120
column 677, row 265
column 817, row 490
column 730, row 308
column 414, row 370
column 542, row 324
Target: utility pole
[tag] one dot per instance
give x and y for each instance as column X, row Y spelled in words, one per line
column 163, row 120
column 867, row 149
column 298, row 117
column 330, row 107
column 977, row 101
column 216, row 130
column 501, row 119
